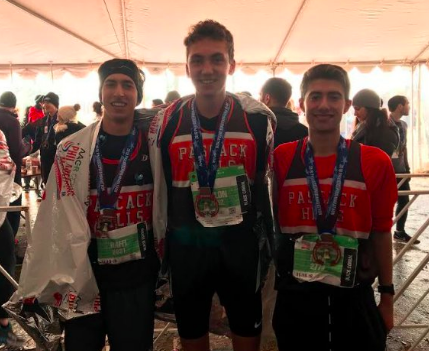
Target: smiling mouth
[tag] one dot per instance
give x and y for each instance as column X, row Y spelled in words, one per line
column 207, row 81
column 118, row 104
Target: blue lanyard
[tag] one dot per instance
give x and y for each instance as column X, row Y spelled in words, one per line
column 107, row 200
column 207, row 174
column 326, row 220
column 51, row 122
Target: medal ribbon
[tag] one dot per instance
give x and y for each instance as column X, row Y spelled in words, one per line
column 107, row 200
column 207, row 174
column 50, row 124
column 326, row 218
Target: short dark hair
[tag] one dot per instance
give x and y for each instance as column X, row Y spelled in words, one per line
column 279, row 89
column 395, row 101
column 210, row 29
column 157, row 102
column 329, row 72
column 172, row 96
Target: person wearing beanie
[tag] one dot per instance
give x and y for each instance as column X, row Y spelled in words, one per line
column 102, row 181
column 36, row 111
column 67, row 122
column 372, row 126
column 45, row 134
column 11, row 128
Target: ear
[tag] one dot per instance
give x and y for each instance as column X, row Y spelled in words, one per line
column 231, row 67
column 301, row 104
column 347, row 106
column 266, row 98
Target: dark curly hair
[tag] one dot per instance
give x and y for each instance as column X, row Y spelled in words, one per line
column 210, row 29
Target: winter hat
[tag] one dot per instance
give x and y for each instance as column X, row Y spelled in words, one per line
column 8, row 99
column 367, row 98
column 66, row 113
column 53, row 98
column 127, row 67
column 38, row 99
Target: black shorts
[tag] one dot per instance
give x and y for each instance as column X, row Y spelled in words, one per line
column 330, row 318
column 229, row 269
column 127, row 318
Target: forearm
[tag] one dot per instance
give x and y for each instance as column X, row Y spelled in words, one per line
column 383, row 255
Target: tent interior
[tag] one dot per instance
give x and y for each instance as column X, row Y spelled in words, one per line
column 58, row 45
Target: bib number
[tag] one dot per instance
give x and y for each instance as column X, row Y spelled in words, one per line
column 331, row 260
column 123, row 244
column 228, row 201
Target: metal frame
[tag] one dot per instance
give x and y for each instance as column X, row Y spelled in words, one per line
column 419, row 268
column 27, row 231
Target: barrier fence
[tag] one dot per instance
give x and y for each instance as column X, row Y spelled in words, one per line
column 400, row 290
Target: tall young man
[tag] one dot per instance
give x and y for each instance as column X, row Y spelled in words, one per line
column 335, row 203
column 399, row 106
column 210, row 160
column 98, row 212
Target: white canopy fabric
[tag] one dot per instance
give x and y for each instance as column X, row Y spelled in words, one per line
column 76, row 36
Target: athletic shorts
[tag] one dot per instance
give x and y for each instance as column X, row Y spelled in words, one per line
column 231, row 270
column 329, row 318
column 127, row 318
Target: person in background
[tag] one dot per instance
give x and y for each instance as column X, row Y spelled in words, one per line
column 399, row 106
column 373, row 127
column 36, row 111
column 7, row 245
column 45, row 134
column 171, row 96
column 157, row 102
column 67, row 122
column 97, row 108
column 276, row 93
column 11, row 128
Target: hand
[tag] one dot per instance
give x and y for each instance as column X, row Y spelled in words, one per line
column 386, row 310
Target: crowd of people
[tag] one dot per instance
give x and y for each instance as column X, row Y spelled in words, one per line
column 192, row 191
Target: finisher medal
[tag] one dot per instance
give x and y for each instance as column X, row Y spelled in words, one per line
column 326, row 251
column 107, row 219
column 206, row 204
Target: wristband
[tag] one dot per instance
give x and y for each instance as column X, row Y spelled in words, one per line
column 386, row 289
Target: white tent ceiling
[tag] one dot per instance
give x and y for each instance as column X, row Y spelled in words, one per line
column 77, row 35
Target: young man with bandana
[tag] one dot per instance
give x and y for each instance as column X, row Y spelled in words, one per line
column 97, row 213
column 209, row 155
column 335, row 202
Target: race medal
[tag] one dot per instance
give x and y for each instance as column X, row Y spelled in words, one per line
column 206, row 204
column 107, row 219
column 314, row 259
column 326, row 251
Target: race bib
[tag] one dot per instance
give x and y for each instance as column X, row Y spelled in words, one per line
column 228, row 201
column 123, row 244
column 325, row 261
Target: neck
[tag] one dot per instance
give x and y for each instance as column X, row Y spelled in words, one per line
column 324, row 144
column 210, row 107
column 118, row 128
column 396, row 116
column 10, row 109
